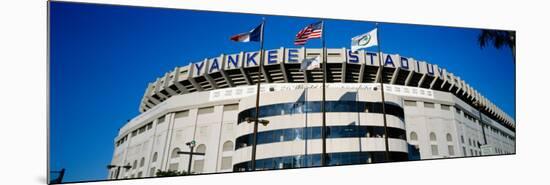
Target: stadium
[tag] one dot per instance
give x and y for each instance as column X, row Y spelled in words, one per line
column 431, row 113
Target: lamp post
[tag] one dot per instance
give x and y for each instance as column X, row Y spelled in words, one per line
column 191, row 145
column 255, row 137
column 118, row 168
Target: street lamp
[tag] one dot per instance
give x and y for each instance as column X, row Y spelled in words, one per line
column 127, row 167
column 255, row 137
column 191, row 145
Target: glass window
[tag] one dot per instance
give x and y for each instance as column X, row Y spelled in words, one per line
column 432, row 136
column 139, row 174
column 173, row 167
column 462, row 139
column 464, row 151
column 226, row 163
column 206, row 110
column 135, row 164
column 175, row 153
column 201, row 148
column 451, row 150
column 181, row 114
column 449, row 137
column 142, row 162
column 429, row 105
column 413, row 136
column 155, row 156
column 228, row 146
column 231, row 107
column 410, row 103
column 198, row 166
column 445, row 107
column 161, row 120
column 435, row 150
column 152, row 172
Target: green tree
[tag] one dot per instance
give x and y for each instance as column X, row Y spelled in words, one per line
column 498, row 39
column 170, row 173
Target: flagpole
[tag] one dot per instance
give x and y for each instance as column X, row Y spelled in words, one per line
column 387, row 154
column 323, row 107
column 257, row 116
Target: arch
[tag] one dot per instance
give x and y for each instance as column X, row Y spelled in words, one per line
column 142, row 162
column 174, row 153
column 201, row 148
column 198, row 164
column 228, row 146
column 413, row 136
column 449, row 137
column 433, row 137
column 155, row 156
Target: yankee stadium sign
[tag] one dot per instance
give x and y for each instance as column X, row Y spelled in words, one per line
column 297, row 55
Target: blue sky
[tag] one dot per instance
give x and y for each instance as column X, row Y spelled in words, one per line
column 102, row 58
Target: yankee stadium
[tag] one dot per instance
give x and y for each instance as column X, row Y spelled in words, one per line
column 197, row 116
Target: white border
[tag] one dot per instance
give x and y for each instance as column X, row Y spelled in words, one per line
column 23, row 78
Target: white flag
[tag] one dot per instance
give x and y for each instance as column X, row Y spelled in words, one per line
column 310, row 64
column 364, row 41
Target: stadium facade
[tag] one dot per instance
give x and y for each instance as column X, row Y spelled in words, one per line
column 431, row 113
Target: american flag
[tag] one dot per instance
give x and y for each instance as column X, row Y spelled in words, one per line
column 312, row 31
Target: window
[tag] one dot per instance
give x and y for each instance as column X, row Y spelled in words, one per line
column 201, row 148
column 462, row 139
column 449, row 138
column 464, row 151
column 410, row 103
column 127, row 169
column 470, row 141
column 142, row 162
column 206, row 110
column 155, row 156
column 315, row 106
column 152, row 172
column 182, row 114
column 413, row 136
column 175, row 153
column 140, row 174
column 149, row 126
column 451, row 150
column 429, row 105
column 435, row 150
column 228, row 146
column 161, row 120
column 134, row 133
column 226, row 163
column 141, row 130
column 471, row 152
column 231, row 107
column 198, row 166
column 173, row 167
column 445, row 107
column 433, row 137
column 135, row 164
